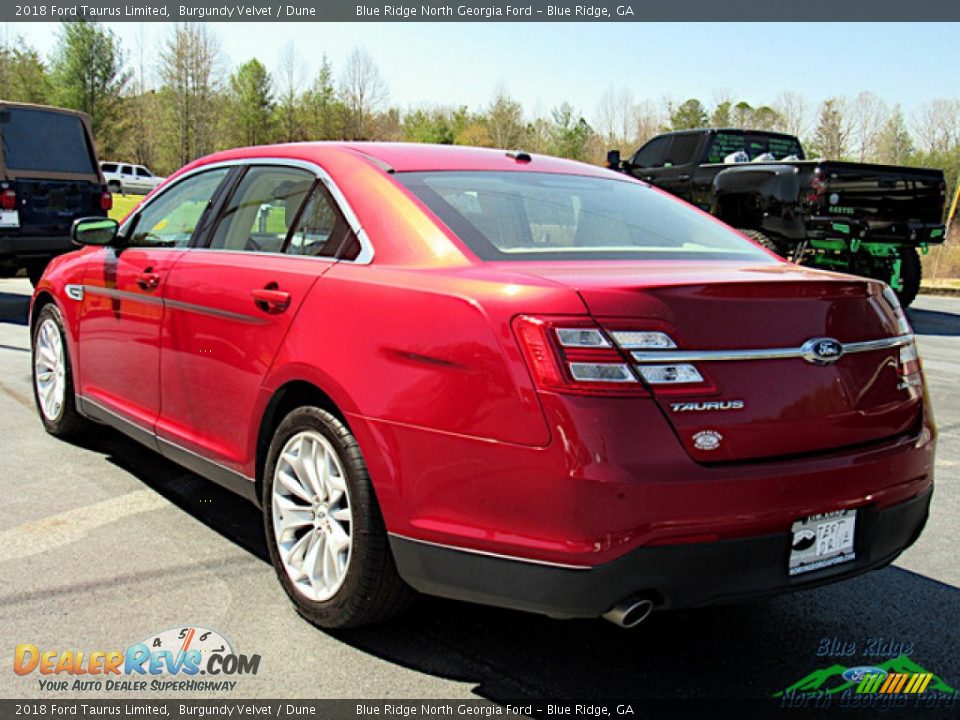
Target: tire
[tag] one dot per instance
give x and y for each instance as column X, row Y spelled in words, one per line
column 114, row 187
column 911, row 273
column 355, row 584
column 53, row 388
column 35, row 272
column 762, row 239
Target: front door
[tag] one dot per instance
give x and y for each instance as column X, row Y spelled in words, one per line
column 123, row 301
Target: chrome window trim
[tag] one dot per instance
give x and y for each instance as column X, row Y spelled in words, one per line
column 692, row 356
column 486, row 553
column 366, row 247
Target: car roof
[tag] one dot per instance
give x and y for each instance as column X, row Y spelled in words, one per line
column 411, row 157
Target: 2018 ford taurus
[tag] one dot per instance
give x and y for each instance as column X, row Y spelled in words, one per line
column 492, row 376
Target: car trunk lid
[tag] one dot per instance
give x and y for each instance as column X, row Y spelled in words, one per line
column 759, row 397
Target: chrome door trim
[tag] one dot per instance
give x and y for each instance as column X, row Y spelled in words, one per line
column 366, row 248
column 691, row 356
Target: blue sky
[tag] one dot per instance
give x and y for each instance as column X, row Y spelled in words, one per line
column 545, row 64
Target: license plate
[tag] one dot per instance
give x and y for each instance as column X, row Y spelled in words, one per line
column 821, row 541
column 9, row 218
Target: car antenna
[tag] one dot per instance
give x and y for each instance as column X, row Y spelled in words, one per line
column 520, row 156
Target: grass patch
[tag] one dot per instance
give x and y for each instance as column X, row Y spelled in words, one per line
column 123, row 204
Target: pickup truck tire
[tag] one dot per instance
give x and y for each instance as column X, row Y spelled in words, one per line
column 762, row 239
column 35, row 272
column 911, row 272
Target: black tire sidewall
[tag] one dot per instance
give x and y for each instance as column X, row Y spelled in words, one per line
column 367, row 526
column 911, row 273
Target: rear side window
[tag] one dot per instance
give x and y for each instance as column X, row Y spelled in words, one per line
column 683, row 149
column 44, row 141
column 108, row 167
column 321, row 229
column 541, row 216
column 725, row 144
column 262, row 210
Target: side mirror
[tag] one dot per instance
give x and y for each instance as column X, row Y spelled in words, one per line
column 613, row 159
column 94, row 231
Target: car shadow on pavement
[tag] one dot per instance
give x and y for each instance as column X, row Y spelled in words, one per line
column 14, row 308
column 934, row 322
column 727, row 652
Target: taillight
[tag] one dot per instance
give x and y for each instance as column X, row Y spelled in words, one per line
column 8, row 199
column 106, row 201
column 818, row 187
column 571, row 355
column 575, row 355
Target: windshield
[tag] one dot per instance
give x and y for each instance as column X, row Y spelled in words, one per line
column 40, row 140
column 754, row 145
column 540, row 216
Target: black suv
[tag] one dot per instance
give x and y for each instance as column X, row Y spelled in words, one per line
column 49, row 176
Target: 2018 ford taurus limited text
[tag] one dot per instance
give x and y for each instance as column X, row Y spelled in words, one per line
column 503, row 378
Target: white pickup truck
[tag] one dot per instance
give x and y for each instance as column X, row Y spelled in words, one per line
column 129, row 178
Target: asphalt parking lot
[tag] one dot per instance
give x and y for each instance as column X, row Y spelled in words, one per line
column 105, row 544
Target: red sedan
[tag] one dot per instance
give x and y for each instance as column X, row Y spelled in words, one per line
column 491, row 376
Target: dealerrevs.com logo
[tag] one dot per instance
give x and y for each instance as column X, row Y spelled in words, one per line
column 187, row 658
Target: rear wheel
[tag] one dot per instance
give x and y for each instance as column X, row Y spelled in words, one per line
column 52, row 377
column 763, row 240
column 114, row 187
column 911, row 272
column 325, row 533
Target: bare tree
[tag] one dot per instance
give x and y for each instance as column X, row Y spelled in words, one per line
column 647, row 122
column 192, row 76
column 868, row 116
column 615, row 117
column 793, row 112
column 937, row 126
column 291, row 80
column 363, row 92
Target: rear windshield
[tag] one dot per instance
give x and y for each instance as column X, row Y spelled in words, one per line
column 726, row 144
column 539, row 216
column 39, row 140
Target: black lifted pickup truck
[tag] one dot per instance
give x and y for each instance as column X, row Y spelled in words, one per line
column 49, row 177
column 870, row 220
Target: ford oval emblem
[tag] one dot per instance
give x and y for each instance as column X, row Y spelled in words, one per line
column 855, row 674
column 822, row 351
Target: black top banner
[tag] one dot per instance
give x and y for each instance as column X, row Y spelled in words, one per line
column 481, row 11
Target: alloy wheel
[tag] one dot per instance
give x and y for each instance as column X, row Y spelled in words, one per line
column 312, row 520
column 50, row 369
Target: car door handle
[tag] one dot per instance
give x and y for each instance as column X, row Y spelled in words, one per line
column 148, row 280
column 271, row 300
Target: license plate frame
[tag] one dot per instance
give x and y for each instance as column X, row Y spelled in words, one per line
column 822, row 541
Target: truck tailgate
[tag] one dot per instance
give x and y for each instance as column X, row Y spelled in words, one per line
column 882, row 194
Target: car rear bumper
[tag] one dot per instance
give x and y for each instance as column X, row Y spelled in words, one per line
column 26, row 248
column 902, row 233
column 673, row 576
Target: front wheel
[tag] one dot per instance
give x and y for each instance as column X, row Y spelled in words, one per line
column 763, row 240
column 325, row 533
column 911, row 273
column 53, row 378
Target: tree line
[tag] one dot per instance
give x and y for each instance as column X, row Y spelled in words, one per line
column 185, row 102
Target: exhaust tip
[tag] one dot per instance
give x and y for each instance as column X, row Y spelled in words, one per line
column 630, row 613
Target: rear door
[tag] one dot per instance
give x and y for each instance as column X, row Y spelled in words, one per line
column 123, row 301
column 231, row 302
